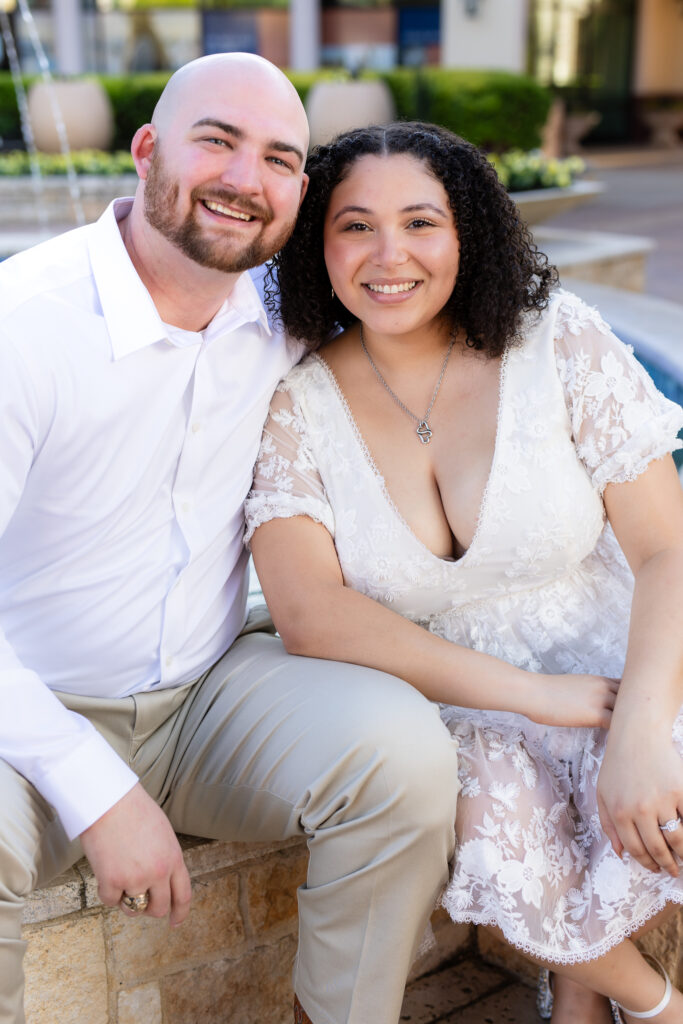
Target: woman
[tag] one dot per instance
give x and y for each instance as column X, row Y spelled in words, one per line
column 459, row 489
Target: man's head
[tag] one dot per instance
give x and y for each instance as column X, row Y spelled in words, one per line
column 222, row 161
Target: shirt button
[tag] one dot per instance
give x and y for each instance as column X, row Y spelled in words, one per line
column 196, row 427
column 187, row 507
column 169, row 660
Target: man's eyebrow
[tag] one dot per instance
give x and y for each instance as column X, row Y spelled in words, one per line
column 212, row 122
column 238, row 133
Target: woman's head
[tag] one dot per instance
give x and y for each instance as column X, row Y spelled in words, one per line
column 497, row 273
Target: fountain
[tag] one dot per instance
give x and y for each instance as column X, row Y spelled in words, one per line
column 26, row 124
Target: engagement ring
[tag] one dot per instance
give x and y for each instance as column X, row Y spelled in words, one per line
column 136, row 904
column 671, row 825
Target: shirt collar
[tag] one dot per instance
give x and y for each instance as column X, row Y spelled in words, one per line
column 132, row 319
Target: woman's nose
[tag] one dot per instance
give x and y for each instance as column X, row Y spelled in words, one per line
column 389, row 250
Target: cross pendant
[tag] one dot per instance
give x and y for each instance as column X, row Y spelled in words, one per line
column 424, row 431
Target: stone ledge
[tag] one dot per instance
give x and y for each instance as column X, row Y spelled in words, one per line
column 229, row 963
column 76, row 889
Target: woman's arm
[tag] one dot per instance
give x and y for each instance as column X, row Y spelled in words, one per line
column 641, row 781
column 318, row 616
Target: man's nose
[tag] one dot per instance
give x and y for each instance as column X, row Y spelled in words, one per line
column 243, row 171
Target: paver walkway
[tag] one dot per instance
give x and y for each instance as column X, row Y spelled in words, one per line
column 643, row 196
column 470, row 992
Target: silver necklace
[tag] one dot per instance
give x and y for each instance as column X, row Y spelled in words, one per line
column 423, row 431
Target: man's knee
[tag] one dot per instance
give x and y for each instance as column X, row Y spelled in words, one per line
column 33, row 847
column 387, row 743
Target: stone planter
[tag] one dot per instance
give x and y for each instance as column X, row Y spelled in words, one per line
column 664, row 126
column 541, row 204
column 334, row 107
column 576, row 127
column 85, row 109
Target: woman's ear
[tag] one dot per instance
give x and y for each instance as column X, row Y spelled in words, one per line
column 142, row 148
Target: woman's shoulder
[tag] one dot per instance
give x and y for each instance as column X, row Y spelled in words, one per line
column 306, row 372
column 566, row 313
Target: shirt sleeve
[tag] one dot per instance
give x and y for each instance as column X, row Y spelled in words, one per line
column 620, row 421
column 57, row 750
column 286, row 479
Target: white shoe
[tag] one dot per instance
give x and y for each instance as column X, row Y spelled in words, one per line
column 648, row 1014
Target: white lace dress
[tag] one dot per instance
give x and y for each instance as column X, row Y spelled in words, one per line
column 543, row 585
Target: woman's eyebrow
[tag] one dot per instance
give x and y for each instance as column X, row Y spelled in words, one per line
column 413, row 208
column 351, row 209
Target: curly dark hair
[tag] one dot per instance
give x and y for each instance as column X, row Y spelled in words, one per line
column 501, row 276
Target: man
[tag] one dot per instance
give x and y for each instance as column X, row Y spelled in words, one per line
column 136, row 366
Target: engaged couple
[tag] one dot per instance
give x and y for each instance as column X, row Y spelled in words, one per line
column 465, row 517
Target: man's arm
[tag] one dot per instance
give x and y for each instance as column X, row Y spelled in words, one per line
column 93, row 791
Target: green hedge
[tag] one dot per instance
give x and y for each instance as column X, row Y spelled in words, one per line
column 493, row 109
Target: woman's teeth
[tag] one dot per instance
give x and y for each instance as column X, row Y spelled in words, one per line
column 392, row 289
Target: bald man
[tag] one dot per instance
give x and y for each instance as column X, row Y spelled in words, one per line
column 137, row 698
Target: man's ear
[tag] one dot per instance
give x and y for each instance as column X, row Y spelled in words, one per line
column 142, row 148
column 304, row 187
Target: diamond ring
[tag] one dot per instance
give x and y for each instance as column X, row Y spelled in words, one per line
column 135, row 904
column 671, row 825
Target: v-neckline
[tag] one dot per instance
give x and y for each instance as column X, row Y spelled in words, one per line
column 372, row 465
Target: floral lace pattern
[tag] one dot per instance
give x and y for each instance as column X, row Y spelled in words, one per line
column 543, row 585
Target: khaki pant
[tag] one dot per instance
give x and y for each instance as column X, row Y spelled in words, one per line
column 266, row 746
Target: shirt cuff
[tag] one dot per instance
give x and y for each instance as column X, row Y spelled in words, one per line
column 86, row 784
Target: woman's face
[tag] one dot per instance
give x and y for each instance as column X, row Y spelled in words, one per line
column 391, row 245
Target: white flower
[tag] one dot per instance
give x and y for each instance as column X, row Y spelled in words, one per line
column 526, row 876
column 611, row 879
column 610, row 382
column 480, row 858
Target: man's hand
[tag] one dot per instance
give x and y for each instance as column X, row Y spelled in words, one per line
column 132, row 848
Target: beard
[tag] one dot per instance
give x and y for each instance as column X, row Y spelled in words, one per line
column 217, row 250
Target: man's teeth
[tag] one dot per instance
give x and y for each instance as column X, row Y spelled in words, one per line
column 393, row 289
column 226, row 210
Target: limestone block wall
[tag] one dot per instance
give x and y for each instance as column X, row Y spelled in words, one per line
column 230, row 962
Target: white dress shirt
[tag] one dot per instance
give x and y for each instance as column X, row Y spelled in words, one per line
column 127, row 451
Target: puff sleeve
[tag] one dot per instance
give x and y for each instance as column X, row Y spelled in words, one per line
column 620, row 421
column 286, row 479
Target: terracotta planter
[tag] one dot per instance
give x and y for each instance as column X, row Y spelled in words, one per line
column 85, row 109
column 334, row 107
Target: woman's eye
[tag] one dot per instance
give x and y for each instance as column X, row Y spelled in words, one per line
column 357, row 225
column 421, row 222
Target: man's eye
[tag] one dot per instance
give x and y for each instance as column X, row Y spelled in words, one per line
column 217, row 142
column 279, row 162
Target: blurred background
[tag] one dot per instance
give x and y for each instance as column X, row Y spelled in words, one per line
column 619, row 60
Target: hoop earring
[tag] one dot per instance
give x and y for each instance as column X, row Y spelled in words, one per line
column 332, row 290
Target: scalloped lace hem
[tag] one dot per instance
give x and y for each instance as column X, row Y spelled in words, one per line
column 553, row 956
column 610, row 474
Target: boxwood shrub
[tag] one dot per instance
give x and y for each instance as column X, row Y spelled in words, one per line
column 496, row 110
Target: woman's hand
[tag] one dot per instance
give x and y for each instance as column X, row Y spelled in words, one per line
column 575, row 700
column 640, row 787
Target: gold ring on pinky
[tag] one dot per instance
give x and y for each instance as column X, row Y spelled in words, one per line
column 136, row 904
column 671, row 825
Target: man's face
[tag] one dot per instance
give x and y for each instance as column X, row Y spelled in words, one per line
column 225, row 179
